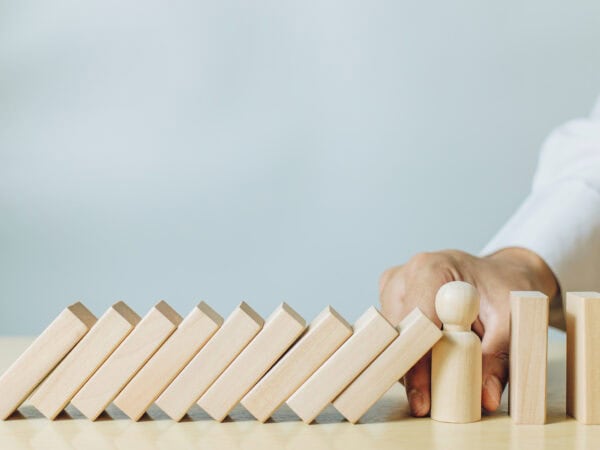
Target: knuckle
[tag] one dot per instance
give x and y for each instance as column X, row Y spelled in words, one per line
column 426, row 261
column 422, row 258
column 501, row 355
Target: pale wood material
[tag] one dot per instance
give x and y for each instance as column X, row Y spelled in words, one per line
column 417, row 334
column 26, row 373
column 386, row 426
column 583, row 356
column 79, row 365
column 372, row 333
column 456, row 357
column 236, row 332
column 152, row 379
column 126, row 360
column 280, row 331
column 324, row 336
column 528, row 357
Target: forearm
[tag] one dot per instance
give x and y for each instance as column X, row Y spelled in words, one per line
column 559, row 221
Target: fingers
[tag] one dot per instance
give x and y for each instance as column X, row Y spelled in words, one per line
column 495, row 347
column 418, row 384
column 402, row 289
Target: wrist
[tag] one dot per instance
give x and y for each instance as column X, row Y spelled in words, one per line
column 535, row 268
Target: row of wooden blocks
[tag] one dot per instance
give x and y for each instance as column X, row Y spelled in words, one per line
column 175, row 362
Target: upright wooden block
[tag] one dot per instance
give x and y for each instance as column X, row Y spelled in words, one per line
column 583, row 356
column 372, row 333
column 324, row 336
column 226, row 344
column 280, row 331
column 168, row 361
column 79, row 365
column 528, row 357
column 417, row 335
column 126, row 360
column 42, row 356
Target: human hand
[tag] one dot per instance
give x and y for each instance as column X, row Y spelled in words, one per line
column 415, row 284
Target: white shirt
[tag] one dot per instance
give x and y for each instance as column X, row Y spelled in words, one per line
column 560, row 219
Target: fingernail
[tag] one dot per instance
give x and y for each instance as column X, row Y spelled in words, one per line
column 493, row 389
column 416, row 400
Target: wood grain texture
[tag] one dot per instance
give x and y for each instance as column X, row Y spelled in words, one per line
column 528, row 357
column 456, row 359
column 57, row 390
column 417, row 334
column 325, row 334
column 583, row 356
column 42, row 356
column 227, row 343
column 372, row 333
column 280, row 331
column 388, row 425
column 162, row 368
column 126, row 360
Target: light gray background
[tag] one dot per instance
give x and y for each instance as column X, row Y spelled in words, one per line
column 267, row 150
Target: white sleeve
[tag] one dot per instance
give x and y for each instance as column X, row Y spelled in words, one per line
column 560, row 219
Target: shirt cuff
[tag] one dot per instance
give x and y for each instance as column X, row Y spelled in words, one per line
column 561, row 223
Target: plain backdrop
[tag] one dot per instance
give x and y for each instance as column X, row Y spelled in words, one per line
column 267, row 151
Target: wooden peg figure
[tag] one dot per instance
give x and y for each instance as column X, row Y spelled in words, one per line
column 456, row 358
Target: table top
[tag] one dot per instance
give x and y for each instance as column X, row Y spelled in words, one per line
column 386, row 425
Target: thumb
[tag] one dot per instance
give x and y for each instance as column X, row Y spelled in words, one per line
column 494, row 346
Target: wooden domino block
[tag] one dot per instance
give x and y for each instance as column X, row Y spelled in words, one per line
column 528, row 357
column 372, row 333
column 42, row 356
column 417, row 335
column 79, row 365
column 168, row 361
column 324, row 336
column 583, row 356
column 280, row 331
column 227, row 343
column 126, row 360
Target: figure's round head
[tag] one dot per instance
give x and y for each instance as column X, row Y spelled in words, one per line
column 457, row 305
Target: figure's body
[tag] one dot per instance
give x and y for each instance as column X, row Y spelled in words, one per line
column 456, row 358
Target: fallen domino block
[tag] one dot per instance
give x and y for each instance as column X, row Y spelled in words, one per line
column 583, row 356
column 42, row 356
column 528, row 357
column 126, row 360
column 417, row 335
column 145, row 387
column 324, row 336
column 280, row 331
column 372, row 333
column 79, row 365
column 200, row 373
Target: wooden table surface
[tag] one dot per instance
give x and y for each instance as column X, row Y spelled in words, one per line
column 386, row 425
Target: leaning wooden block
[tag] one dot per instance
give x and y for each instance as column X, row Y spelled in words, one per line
column 280, row 331
column 583, row 356
column 79, row 365
column 42, row 356
column 226, row 344
column 417, row 335
column 168, row 361
column 528, row 357
column 324, row 336
column 126, row 360
column 372, row 333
